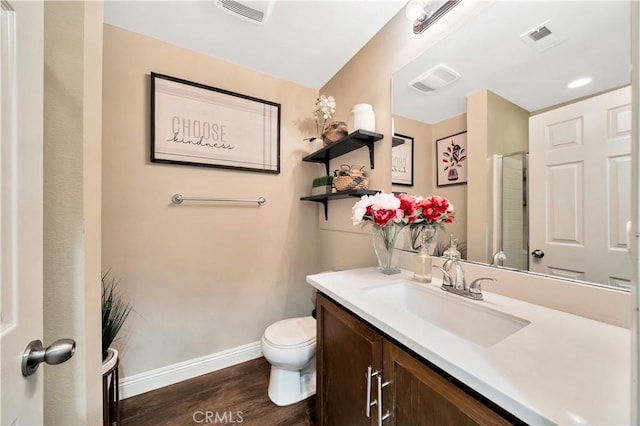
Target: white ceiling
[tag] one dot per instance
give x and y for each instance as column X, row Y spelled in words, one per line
column 306, row 42
column 309, row 41
column 489, row 54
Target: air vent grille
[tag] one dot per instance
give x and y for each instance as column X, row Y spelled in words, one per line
column 434, row 78
column 540, row 33
column 418, row 85
column 256, row 11
column 543, row 36
column 243, row 10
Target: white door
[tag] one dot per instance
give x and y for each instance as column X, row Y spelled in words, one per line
column 579, row 225
column 21, row 123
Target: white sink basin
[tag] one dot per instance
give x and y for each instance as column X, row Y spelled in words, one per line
column 468, row 319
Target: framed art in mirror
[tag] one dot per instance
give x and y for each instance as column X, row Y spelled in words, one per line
column 197, row 125
column 451, row 156
column 402, row 160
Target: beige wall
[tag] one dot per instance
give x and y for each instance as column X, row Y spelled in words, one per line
column 496, row 126
column 202, row 277
column 72, row 138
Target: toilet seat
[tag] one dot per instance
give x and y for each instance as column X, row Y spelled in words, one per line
column 291, row 333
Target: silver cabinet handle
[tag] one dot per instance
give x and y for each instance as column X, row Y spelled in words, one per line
column 57, row 353
column 381, row 385
column 370, row 376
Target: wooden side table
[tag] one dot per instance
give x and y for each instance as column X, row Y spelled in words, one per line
column 111, row 397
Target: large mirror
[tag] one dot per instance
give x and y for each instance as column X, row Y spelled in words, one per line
column 549, row 165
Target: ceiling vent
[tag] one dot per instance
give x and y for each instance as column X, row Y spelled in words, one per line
column 253, row 11
column 435, row 78
column 542, row 37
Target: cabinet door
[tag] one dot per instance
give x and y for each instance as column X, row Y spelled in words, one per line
column 345, row 348
column 418, row 395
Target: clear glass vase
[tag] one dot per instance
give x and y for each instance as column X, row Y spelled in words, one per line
column 423, row 235
column 384, row 243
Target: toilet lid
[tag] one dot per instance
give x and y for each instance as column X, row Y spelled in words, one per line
column 292, row 332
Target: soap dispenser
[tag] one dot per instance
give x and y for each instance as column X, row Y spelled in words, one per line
column 423, row 261
column 422, row 266
column 452, row 251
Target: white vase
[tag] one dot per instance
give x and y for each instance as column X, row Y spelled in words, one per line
column 363, row 117
column 110, row 360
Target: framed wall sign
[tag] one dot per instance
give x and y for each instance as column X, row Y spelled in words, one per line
column 198, row 125
column 402, row 160
column 451, row 156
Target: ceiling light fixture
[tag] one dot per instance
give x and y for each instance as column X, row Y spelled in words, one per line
column 414, row 9
column 579, row 82
column 423, row 13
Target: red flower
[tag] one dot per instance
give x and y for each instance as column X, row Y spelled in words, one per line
column 408, row 205
column 382, row 217
column 436, row 209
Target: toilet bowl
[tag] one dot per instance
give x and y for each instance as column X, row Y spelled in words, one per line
column 290, row 347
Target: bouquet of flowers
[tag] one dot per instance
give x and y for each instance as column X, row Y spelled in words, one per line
column 434, row 213
column 434, row 210
column 401, row 210
column 390, row 213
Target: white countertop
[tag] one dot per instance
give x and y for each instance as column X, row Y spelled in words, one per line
column 560, row 368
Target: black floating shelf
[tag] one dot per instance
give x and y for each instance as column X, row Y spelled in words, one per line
column 349, row 143
column 324, row 198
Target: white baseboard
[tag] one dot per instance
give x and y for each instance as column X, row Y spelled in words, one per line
column 165, row 376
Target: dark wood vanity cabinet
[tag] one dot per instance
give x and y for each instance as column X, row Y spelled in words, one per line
column 413, row 394
column 345, row 348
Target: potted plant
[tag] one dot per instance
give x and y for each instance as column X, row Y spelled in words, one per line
column 115, row 310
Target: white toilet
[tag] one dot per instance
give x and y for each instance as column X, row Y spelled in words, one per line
column 290, row 347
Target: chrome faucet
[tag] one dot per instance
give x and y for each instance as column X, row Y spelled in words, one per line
column 453, row 280
column 454, row 268
column 475, row 291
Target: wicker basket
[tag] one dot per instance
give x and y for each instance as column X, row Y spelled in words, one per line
column 348, row 183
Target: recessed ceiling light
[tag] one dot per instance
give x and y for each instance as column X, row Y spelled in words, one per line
column 579, row 82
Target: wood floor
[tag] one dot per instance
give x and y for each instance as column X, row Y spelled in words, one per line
column 235, row 395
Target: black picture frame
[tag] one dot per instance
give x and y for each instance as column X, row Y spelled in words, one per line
column 451, row 156
column 198, row 125
column 402, row 160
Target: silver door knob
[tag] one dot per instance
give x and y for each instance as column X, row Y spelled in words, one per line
column 57, row 353
column 537, row 253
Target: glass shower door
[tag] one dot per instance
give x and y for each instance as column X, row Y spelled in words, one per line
column 514, row 236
